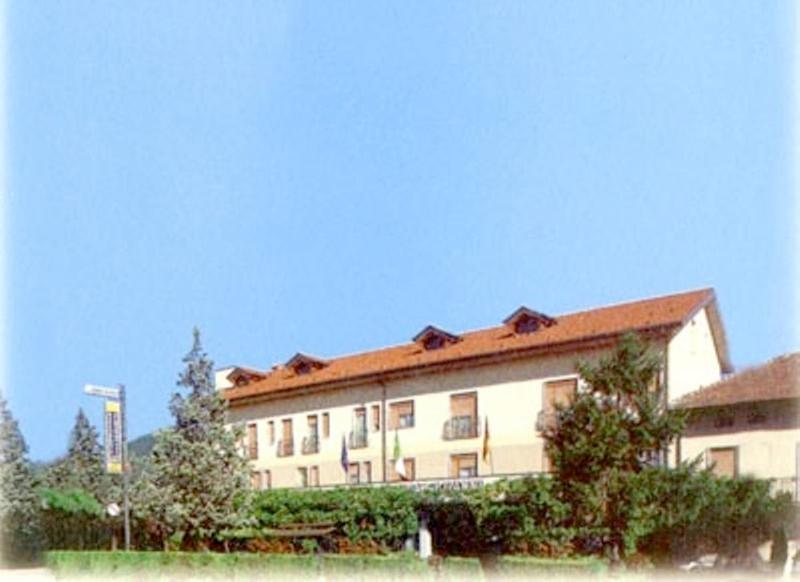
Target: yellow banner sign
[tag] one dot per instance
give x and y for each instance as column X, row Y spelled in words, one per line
column 113, row 437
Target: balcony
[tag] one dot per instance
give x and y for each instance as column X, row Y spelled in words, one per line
column 285, row 448
column 359, row 439
column 786, row 485
column 252, row 451
column 462, row 427
column 310, row 444
column 546, row 419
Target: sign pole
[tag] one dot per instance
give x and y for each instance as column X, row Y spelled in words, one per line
column 125, row 467
column 116, row 444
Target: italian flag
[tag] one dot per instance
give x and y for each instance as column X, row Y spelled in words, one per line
column 399, row 465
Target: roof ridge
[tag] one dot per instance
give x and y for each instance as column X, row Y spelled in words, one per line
column 502, row 325
column 731, row 385
column 638, row 301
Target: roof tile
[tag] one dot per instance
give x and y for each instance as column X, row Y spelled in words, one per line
column 777, row 379
column 657, row 313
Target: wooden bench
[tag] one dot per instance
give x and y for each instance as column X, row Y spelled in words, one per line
column 301, row 530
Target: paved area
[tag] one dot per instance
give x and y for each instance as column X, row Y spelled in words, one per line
column 27, row 575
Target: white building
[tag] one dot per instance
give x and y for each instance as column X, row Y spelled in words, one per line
column 749, row 423
column 436, row 396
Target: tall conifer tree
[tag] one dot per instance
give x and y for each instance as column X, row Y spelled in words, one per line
column 20, row 532
column 84, row 465
column 196, row 481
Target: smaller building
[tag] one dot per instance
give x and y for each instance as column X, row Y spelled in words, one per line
column 748, row 423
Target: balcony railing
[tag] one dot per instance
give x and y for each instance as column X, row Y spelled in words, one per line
column 252, row 451
column 462, row 427
column 359, row 439
column 546, row 419
column 310, row 445
column 285, row 448
column 786, row 485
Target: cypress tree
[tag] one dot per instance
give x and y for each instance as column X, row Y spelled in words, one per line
column 195, row 483
column 20, row 532
column 84, row 465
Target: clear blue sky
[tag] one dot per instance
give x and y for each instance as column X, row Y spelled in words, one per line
column 331, row 178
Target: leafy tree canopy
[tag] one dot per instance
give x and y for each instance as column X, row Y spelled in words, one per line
column 617, row 425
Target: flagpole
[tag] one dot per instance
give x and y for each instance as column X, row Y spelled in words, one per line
column 125, row 469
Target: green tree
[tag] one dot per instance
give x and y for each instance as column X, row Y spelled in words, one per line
column 617, row 425
column 19, row 505
column 195, row 485
column 83, row 467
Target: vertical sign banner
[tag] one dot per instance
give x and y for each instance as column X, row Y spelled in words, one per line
column 113, row 437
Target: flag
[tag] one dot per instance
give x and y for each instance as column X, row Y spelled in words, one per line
column 345, row 461
column 486, row 451
column 399, row 465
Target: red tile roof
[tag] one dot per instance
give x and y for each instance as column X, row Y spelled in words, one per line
column 778, row 379
column 571, row 331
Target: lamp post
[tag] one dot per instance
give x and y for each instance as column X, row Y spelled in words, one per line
column 116, row 441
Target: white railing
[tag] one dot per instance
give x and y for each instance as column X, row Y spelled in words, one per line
column 786, row 485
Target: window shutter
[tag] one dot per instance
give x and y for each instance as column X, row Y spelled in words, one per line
column 464, row 405
column 559, row 392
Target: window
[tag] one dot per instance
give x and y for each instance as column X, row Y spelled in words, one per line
column 272, row 432
column 302, row 476
column 360, row 420
column 401, row 415
column 547, row 462
column 314, row 476
column 559, row 392
column 376, row 417
column 410, row 475
column 286, row 444
column 353, row 476
column 464, row 466
column 326, row 425
column 359, row 438
column 252, row 441
column 267, row 479
column 756, row 415
column 724, row 461
column 311, row 440
column 434, row 342
column 724, row 418
column 367, row 472
column 463, row 423
column 255, row 480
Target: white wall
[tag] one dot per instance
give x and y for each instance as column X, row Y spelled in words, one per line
column 692, row 360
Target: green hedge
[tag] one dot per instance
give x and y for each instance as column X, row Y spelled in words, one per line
column 528, row 566
column 679, row 514
column 695, row 512
column 146, row 564
column 400, row 565
column 384, row 516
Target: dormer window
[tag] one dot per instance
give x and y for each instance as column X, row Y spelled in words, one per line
column 241, row 376
column 433, row 338
column 303, row 364
column 525, row 320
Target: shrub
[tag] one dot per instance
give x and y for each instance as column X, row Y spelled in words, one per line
column 381, row 518
column 696, row 512
column 73, row 519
